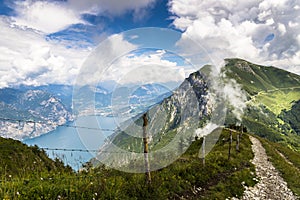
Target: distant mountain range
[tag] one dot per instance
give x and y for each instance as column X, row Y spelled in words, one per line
column 51, row 105
column 29, row 113
column 127, row 101
column 272, row 107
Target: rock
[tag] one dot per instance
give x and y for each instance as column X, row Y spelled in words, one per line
column 270, row 185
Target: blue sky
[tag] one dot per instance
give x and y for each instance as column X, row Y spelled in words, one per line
column 46, row 42
column 156, row 15
column 91, row 31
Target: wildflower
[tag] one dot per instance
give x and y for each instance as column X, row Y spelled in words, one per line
column 18, row 193
column 42, row 178
column 96, row 194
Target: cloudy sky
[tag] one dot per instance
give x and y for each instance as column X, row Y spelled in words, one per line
column 46, row 42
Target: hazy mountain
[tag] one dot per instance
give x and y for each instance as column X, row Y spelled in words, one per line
column 52, row 105
column 19, row 107
column 123, row 100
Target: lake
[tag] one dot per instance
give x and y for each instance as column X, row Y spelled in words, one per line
column 86, row 136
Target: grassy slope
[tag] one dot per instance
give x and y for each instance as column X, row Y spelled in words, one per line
column 272, row 93
column 278, row 100
column 219, row 179
column 255, row 78
column 17, row 159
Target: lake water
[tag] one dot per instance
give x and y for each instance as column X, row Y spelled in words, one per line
column 87, row 136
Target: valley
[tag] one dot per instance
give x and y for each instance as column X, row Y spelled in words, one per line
column 181, row 165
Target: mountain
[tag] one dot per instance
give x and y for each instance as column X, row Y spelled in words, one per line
column 52, row 105
column 271, row 111
column 61, row 92
column 20, row 108
column 123, row 100
column 273, row 100
column 149, row 92
column 175, row 119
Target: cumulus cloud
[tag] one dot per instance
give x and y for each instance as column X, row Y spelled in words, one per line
column 53, row 16
column 148, row 67
column 118, row 60
column 113, row 7
column 262, row 31
column 48, row 17
column 95, row 66
column 27, row 58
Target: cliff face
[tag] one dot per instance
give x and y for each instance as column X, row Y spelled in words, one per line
column 172, row 127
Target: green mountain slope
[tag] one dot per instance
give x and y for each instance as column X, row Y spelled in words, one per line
column 17, row 159
column 187, row 177
column 257, row 78
column 271, row 112
column 273, row 100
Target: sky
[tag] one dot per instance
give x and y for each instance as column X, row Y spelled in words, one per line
column 49, row 41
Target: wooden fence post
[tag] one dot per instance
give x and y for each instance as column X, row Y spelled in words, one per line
column 203, row 151
column 146, row 157
column 230, row 142
column 237, row 148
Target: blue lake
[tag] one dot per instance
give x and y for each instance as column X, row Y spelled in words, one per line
column 88, row 135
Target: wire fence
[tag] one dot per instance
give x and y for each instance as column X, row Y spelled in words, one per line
column 55, row 124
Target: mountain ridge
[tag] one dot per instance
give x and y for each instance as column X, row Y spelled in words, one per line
column 272, row 95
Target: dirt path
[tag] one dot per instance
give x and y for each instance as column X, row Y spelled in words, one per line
column 270, row 185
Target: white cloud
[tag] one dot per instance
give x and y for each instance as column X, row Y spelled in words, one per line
column 26, row 57
column 117, row 59
column 101, row 57
column 53, row 16
column 113, row 7
column 48, row 17
column 145, row 68
column 233, row 28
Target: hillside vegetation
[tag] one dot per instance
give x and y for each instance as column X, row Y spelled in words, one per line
column 187, row 177
column 273, row 101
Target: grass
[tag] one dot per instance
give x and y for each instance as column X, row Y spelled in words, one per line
column 278, row 100
column 187, row 177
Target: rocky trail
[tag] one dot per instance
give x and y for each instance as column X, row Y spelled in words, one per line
column 270, row 185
